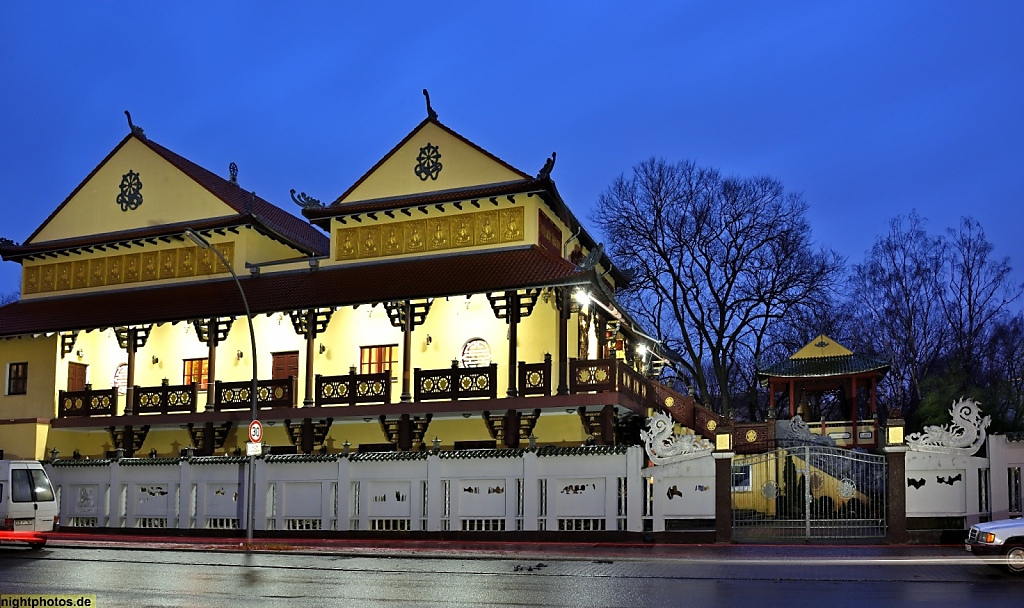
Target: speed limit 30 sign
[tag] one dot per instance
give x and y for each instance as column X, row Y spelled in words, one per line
column 255, row 431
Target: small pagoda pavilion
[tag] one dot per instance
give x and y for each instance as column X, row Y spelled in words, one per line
column 824, row 366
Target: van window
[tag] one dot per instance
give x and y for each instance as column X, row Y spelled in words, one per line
column 30, row 485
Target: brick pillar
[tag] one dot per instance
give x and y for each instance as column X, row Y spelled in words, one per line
column 896, row 493
column 723, row 496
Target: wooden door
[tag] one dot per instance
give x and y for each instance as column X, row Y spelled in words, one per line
column 76, row 376
column 286, row 364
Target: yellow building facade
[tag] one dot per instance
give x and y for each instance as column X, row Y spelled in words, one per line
column 446, row 297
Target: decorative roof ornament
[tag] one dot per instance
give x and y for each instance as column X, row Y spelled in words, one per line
column 593, row 257
column 549, row 164
column 233, row 172
column 963, row 437
column 431, row 114
column 304, row 200
column 663, row 446
column 137, row 131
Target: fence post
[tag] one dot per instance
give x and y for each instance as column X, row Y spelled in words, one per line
column 184, row 494
column 344, row 493
column 723, row 496
column 114, row 496
column 634, row 489
column 435, row 493
column 531, row 490
column 896, row 492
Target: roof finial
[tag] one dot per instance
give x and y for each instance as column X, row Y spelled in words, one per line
column 135, row 130
column 233, row 171
column 549, row 164
column 431, row 114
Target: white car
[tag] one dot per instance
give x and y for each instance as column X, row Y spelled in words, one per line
column 28, row 508
column 1003, row 538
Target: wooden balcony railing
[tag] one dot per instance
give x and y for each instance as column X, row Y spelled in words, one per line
column 353, row 389
column 611, row 375
column 456, row 383
column 166, row 399
column 535, row 378
column 87, row 403
column 233, row 396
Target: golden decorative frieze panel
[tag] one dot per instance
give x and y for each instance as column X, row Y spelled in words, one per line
column 430, row 234
column 127, row 268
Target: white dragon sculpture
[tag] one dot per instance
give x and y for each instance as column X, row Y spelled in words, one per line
column 964, row 436
column 665, row 447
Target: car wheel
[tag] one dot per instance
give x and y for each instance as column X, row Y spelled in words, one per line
column 36, row 546
column 1015, row 559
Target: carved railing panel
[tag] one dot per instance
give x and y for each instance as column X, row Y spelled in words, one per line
column 705, row 421
column 269, row 394
column 87, row 403
column 535, row 378
column 753, row 437
column 592, row 376
column 457, row 383
column 353, row 389
column 166, row 399
column 633, row 383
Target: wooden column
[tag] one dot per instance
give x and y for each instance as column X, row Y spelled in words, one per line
column 407, row 354
column 129, row 394
column 512, row 318
column 211, row 364
column 601, row 333
column 310, row 353
column 792, row 398
column 563, row 341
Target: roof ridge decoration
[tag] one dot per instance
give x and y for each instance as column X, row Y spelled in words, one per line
column 430, row 119
column 964, row 436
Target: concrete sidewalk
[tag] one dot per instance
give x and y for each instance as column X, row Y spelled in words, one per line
column 462, row 549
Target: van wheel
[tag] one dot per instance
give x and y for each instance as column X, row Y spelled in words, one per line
column 1014, row 560
column 36, row 546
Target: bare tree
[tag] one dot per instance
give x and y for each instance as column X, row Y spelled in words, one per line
column 978, row 290
column 900, row 309
column 716, row 262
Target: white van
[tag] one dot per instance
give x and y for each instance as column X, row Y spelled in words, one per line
column 28, row 507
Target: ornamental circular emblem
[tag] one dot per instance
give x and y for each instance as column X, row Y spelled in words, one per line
column 769, row 489
column 481, row 382
column 442, row 384
column 131, row 191
column 476, row 353
column 847, row 488
column 669, row 401
column 428, row 163
column 712, row 425
column 467, row 383
column 428, row 384
column 751, row 436
column 328, row 390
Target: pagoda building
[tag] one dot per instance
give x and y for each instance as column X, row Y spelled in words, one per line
column 826, row 366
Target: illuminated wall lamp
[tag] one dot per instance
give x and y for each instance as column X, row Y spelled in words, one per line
column 894, row 432
column 723, row 439
column 239, row 355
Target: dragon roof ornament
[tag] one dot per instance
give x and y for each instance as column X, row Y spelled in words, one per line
column 963, row 436
column 665, row 447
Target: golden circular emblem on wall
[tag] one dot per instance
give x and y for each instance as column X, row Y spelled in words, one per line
column 712, row 425
column 669, row 401
column 751, row 436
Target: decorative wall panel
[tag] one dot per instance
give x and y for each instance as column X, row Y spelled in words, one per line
column 430, row 234
column 126, row 268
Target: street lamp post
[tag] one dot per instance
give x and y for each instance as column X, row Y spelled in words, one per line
column 202, row 243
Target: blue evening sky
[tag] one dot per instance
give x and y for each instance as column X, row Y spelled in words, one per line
column 869, row 108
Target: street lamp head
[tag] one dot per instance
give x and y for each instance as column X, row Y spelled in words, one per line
column 196, row 238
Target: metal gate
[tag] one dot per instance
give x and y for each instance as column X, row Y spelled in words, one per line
column 808, row 492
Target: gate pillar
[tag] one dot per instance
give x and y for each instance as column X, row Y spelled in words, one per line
column 896, row 492
column 723, row 496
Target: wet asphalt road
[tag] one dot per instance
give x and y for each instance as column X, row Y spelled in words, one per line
column 773, row 577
